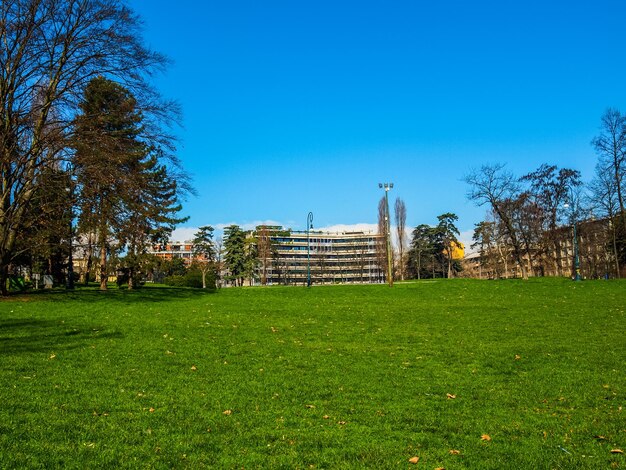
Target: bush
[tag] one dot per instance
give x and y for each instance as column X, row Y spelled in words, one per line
column 191, row 279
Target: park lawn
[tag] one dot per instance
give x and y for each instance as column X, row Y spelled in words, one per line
column 460, row 373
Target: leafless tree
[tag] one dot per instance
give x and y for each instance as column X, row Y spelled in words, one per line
column 549, row 189
column 264, row 250
column 381, row 245
column 603, row 197
column 500, row 189
column 400, row 213
column 610, row 146
column 219, row 253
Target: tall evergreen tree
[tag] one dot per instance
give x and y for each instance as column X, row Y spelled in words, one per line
column 235, row 258
column 204, row 251
column 49, row 50
column 152, row 211
column 128, row 199
column 447, row 234
column 107, row 152
column 421, row 249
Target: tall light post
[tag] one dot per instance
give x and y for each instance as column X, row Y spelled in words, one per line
column 309, row 226
column 70, row 260
column 387, row 187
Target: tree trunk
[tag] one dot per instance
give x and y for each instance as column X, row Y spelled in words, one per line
column 88, row 268
column 4, row 275
column 419, row 265
column 615, row 252
column 103, row 267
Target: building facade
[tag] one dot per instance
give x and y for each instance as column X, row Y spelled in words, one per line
column 288, row 257
column 327, row 257
column 183, row 250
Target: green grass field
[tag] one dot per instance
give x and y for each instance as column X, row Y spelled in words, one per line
column 460, row 373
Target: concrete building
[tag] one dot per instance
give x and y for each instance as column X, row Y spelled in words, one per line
column 282, row 256
column 173, row 250
column 344, row 257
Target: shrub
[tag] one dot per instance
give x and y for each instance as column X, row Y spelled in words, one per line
column 192, row 278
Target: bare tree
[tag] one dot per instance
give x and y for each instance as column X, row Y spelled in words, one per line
column 49, row 50
column 219, row 252
column 603, row 197
column 381, row 244
column 500, row 189
column 610, row 146
column 264, row 250
column 400, row 213
column 550, row 189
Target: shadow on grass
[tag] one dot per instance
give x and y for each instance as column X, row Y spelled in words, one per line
column 144, row 294
column 32, row 336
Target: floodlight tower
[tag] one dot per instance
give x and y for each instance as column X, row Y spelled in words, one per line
column 387, row 187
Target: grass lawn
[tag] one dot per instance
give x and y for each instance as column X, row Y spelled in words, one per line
column 460, row 373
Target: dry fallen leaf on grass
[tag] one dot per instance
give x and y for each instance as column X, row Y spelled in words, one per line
column 517, row 357
column 485, row 437
column 326, row 417
column 151, row 410
column 617, row 451
column 450, row 396
column 440, row 468
column 227, row 412
column 414, row 459
column 341, row 423
column 52, row 356
column 310, row 406
column 600, row 438
column 194, row 368
column 454, row 452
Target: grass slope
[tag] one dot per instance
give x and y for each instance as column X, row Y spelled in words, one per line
column 328, row 377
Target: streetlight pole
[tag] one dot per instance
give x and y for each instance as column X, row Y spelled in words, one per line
column 387, row 187
column 70, row 260
column 309, row 226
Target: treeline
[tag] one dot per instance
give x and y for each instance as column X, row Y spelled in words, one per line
column 87, row 159
column 530, row 216
column 433, row 251
column 239, row 256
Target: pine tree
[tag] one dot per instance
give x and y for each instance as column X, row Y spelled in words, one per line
column 127, row 197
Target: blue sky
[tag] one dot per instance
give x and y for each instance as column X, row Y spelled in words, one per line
column 293, row 106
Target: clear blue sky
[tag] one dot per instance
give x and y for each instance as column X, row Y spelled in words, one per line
column 293, row 106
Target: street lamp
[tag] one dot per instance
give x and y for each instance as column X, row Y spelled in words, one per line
column 309, row 226
column 387, row 187
column 573, row 217
column 70, row 261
